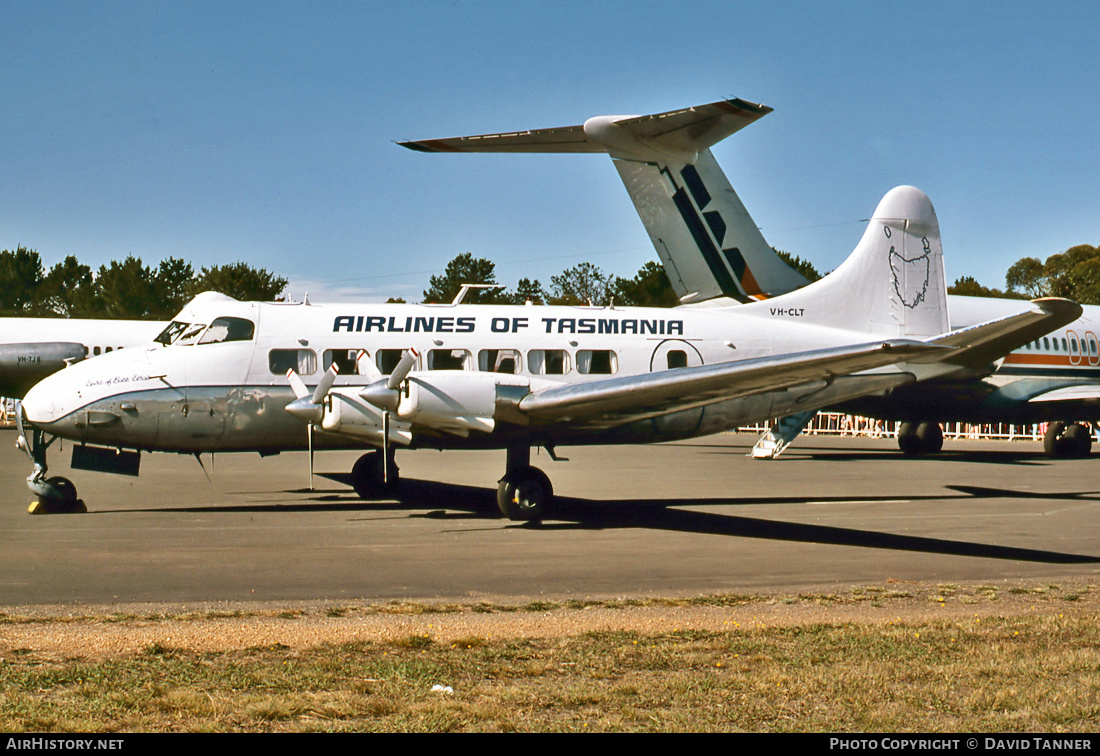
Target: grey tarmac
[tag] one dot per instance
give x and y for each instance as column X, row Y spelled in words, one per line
column 681, row 519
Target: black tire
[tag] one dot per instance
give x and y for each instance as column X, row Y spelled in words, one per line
column 1078, row 440
column 367, row 477
column 1067, row 440
column 908, row 441
column 931, row 438
column 65, row 502
column 64, row 487
column 525, row 494
column 1054, row 443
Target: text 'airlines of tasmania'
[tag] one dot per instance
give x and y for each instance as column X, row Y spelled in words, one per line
column 232, row 376
column 714, row 253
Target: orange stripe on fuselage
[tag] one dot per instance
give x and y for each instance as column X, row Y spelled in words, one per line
column 1050, row 360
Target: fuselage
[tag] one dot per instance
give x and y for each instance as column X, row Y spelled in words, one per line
column 218, row 382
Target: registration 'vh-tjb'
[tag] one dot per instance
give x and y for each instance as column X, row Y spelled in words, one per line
column 229, row 376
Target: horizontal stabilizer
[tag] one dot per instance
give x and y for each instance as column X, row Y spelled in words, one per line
column 678, row 135
column 980, row 345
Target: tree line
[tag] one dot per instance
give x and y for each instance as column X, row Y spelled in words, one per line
column 131, row 289
column 1073, row 274
column 128, row 289
column 581, row 284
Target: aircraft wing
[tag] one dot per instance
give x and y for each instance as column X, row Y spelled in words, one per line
column 615, row 401
column 1085, row 392
column 681, row 132
column 979, row 345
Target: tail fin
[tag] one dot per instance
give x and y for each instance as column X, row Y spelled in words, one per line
column 895, row 272
column 706, row 240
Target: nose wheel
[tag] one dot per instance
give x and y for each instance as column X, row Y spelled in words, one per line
column 54, row 495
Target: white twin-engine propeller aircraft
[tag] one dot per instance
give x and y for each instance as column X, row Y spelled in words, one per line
column 231, row 376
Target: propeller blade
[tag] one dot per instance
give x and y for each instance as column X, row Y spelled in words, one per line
column 365, row 366
column 297, row 385
column 401, row 372
column 325, row 384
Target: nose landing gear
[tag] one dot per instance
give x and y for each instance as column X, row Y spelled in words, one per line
column 54, row 495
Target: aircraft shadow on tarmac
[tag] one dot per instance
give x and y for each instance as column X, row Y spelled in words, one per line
column 449, row 501
column 1021, row 457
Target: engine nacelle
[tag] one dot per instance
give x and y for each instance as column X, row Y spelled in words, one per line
column 456, row 401
column 345, row 412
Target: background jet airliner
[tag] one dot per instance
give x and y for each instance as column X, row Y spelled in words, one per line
column 713, row 252
column 32, row 348
column 231, row 376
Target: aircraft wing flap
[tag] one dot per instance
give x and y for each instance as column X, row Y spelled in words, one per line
column 619, row 400
column 985, row 343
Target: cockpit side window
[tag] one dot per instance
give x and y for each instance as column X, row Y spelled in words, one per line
column 171, row 333
column 191, row 334
column 228, row 329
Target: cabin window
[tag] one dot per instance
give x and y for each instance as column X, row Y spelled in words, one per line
column 96, row 351
column 345, row 360
column 448, row 359
column 498, row 361
column 548, row 362
column 387, row 359
column 597, row 362
column 677, row 358
column 1046, row 343
column 301, row 361
column 1064, row 348
column 228, row 329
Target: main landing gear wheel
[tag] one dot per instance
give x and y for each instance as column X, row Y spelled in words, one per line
column 915, row 439
column 525, row 494
column 369, row 480
column 1067, row 440
column 56, row 496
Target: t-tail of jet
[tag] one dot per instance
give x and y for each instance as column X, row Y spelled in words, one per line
column 709, row 245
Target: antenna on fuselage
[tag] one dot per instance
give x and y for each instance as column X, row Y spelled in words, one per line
column 466, row 287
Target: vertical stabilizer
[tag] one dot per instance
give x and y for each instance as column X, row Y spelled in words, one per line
column 706, row 239
column 895, row 273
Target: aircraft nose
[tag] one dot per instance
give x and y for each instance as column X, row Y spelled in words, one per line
column 45, row 403
column 37, row 406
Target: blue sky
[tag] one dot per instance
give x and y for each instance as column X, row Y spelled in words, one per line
column 264, row 131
